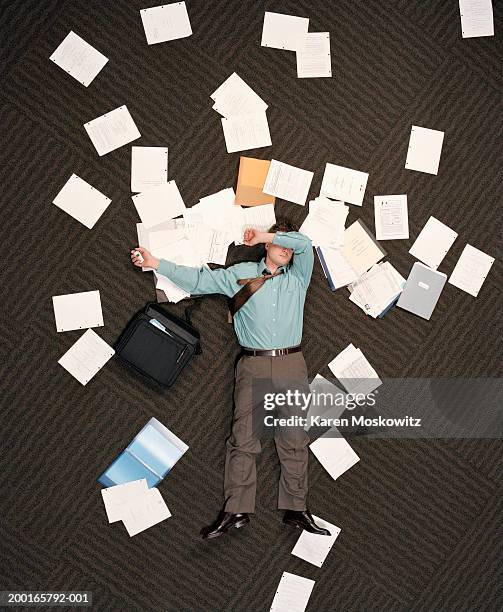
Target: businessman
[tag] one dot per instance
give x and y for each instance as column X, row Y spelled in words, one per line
column 266, row 300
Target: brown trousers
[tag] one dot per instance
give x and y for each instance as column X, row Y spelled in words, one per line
column 243, row 445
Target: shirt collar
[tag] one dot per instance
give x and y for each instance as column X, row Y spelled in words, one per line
column 264, row 269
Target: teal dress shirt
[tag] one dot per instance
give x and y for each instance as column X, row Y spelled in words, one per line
column 273, row 316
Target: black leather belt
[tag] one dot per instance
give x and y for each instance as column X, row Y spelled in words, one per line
column 271, row 352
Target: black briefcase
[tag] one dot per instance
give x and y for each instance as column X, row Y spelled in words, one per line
column 157, row 344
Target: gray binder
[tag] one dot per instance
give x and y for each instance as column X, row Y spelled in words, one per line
column 422, row 290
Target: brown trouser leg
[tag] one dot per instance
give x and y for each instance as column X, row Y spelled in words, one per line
column 243, row 445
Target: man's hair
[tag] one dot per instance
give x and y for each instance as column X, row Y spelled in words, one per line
column 283, row 225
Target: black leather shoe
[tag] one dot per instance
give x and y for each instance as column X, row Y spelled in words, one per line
column 303, row 520
column 224, row 522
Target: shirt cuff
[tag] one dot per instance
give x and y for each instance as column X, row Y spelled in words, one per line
column 292, row 240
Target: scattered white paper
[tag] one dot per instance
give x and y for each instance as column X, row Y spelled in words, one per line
column 333, row 410
column 313, row 57
column 173, row 292
column 217, row 247
column 315, row 548
column 376, row 290
column 77, row 311
column 360, row 249
column 334, row 454
column 476, row 18
column 234, row 97
column 288, row 182
column 337, row 267
column 159, row 204
column 112, row 130
column 144, row 511
column 471, row 270
column 86, row 357
column 433, row 243
column 167, row 22
column 160, row 238
column 82, row 201
column 80, row 59
column 149, row 167
column 325, row 223
column 391, row 217
column 293, row 593
column 218, row 210
column 354, row 371
column 425, row 147
column 260, row 217
column 117, row 496
column 344, row 184
column 181, row 252
column 284, row 31
column 245, row 132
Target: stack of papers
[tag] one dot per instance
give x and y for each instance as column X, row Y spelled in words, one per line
column 334, row 454
column 358, row 254
column 202, row 236
column 354, row 371
column 433, row 243
column 244, row 119
column 288, row 182
column 137, row 506
column 344, row 184
column 219, row 212
column 86, row 357
column 377, row 290
column 315, row 548
column 325, row 223
column 290, row 33
column 166, row 22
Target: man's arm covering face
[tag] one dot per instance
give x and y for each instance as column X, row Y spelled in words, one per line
column 303, row 261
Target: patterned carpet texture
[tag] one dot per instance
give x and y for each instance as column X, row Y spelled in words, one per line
column 420, row 519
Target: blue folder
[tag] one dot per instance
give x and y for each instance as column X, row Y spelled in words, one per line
column 325, row 268
column 151, row 455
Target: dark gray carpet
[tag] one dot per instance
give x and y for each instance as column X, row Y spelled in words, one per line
column 421, row 520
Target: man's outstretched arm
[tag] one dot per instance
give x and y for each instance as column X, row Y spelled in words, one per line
column 196, row 281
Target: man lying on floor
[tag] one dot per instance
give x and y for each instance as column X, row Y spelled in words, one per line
column 266, row 300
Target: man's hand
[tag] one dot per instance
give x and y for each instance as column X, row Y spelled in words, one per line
column 149, row 261
column 253, row 236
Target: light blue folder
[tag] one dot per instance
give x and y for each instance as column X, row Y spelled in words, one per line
column 151, row 455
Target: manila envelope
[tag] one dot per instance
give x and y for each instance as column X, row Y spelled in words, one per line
column 251, row 179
